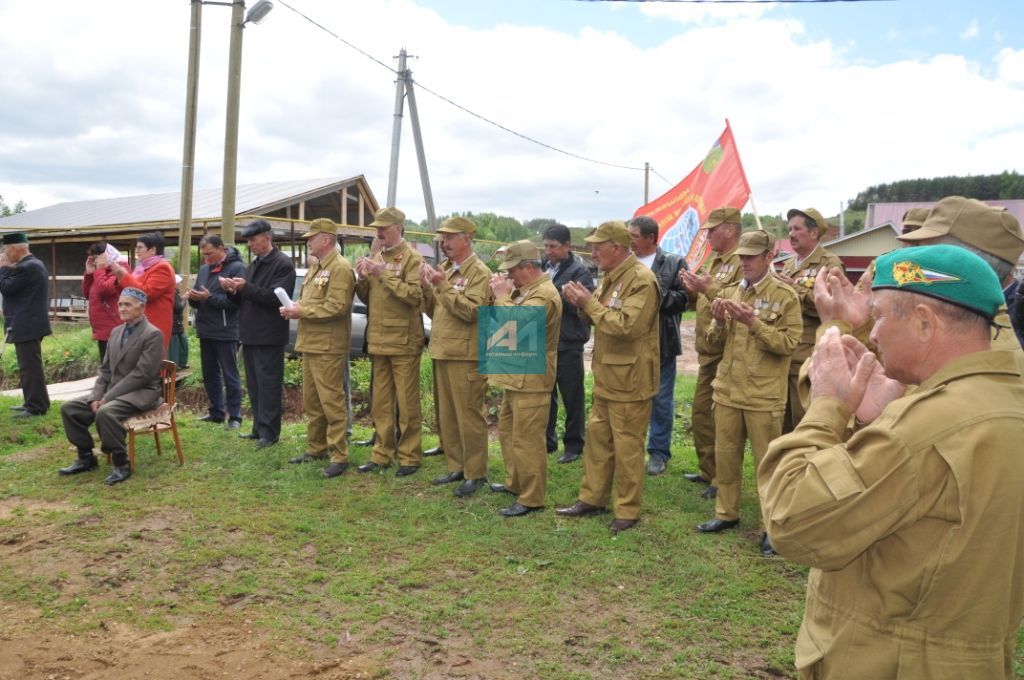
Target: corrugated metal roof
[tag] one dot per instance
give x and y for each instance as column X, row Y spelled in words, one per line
column 206, row 204
column 881, row 213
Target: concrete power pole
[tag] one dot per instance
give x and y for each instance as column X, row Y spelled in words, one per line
column 404, row 88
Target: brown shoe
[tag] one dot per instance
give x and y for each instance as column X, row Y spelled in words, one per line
column 623, row 524
column 580, row 509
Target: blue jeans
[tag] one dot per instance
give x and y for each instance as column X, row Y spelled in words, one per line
column 220, row 371
column 659, row 439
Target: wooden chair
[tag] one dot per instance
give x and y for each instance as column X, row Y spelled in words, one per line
column 159, row 419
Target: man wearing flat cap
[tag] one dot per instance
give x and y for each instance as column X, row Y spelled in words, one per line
column 524, row 409
column 324, row 311
column 624, row 312
column 389, row 283
column 24, row 286
column 757, row 323
column 262, row 330
column 806, row 229
column 128, row 384
column 912, row 524
column 452, row 295
column 720, row 271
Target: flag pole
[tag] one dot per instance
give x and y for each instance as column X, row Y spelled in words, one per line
column 753, row 206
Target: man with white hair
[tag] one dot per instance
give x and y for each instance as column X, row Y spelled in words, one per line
column 128, row 384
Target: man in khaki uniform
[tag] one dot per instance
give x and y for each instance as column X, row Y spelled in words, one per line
column 806, row 228
column 389, row 283
column 522, row 422
column 626, row 365
column 452, row 295
column 758, row 323
column 324, row 311
column 720, row 271
column 913, row 525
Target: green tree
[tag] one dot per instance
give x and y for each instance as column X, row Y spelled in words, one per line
column 6, row 210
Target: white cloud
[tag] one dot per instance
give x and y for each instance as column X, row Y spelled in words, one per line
column 98, row 109
column 971, row 31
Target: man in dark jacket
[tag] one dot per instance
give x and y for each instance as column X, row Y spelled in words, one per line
column 643, row 233
column 25, row 292
column 562, row 266
column 217, row 327
column 262, row 330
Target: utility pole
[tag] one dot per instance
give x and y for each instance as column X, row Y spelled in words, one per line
column 227, row 212
column 189, row 152
column 396, row 129
column 647, row 182
column 404, row 88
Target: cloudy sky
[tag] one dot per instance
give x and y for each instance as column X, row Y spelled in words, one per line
column 824, row 99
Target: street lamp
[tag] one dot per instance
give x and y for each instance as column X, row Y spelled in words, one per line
column 255, row 15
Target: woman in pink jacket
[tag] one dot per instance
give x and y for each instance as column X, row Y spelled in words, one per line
column 101, row 289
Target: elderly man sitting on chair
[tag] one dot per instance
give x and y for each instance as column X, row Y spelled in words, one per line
column 128, row 384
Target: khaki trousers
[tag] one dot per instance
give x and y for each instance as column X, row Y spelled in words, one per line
column 616, row 433
column 732, row 427
column 460, row 391
column 702, row 419
column 522, row 426
column 396, row 383
column 323, row 399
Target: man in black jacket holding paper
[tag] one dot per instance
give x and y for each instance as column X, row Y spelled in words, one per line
column 262, row 330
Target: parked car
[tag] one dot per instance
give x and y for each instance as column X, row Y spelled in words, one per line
column 358, row 322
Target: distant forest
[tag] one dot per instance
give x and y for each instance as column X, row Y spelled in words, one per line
column 1005, row 185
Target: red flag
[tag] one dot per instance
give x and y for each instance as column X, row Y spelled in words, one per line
column 718, row 181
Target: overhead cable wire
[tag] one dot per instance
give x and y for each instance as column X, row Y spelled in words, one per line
column 455, row 104
column 662, row 178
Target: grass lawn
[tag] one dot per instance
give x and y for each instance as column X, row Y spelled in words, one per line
column 240, row 565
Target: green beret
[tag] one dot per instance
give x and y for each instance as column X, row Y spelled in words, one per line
column 15, row 237
column 944, row 272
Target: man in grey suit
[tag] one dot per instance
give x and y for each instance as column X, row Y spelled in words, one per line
column 128, row 384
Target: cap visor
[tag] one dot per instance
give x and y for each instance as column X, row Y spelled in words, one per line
column 921, row 234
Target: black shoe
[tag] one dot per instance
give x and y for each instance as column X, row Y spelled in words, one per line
column 713, row 526
column 580, row 509
column 501, row 488
column 623, row 524
column 517, row 510
column 234, row 424
column 569, row 457
column 335, row 470
column 448, row 478
column 766, row 546
column 695, row 477
column 80, row 465
column 656, row 465
column 469, row 487
column 118, row 475
column 251, row 435
column 366, row 442
column 19, row 408
column 710, row 492
column 304, row 458
column 406, row 470
column 26, row 414
column 264, row 443
column 370, row 467
column 209, row 419
column 436, row 451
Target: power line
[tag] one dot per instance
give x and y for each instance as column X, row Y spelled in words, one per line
column 662, row 178
column 739, row 2
column 455, row 104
